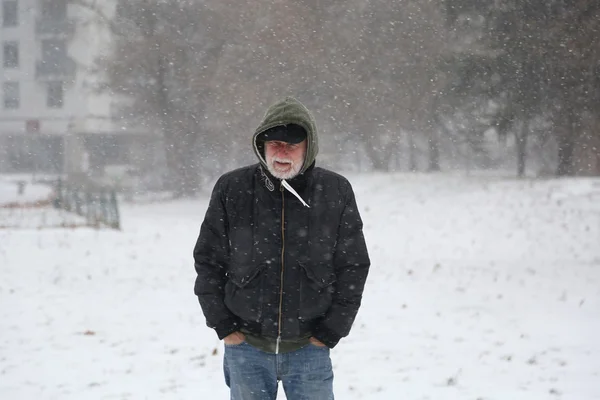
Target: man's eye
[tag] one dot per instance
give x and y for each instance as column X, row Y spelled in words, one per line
column 283, row 145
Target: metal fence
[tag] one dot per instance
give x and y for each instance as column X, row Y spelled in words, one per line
column 98, row 205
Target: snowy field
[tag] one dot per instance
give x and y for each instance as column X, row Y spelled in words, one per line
column 32, row 192
column 480, row 289
column 32, row 208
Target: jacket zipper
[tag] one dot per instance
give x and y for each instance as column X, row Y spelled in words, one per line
column 280, row 317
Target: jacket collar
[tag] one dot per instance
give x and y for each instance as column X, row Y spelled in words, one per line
column 299, row 182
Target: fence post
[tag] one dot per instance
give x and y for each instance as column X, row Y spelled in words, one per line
column 78, row 202
column 96, row 206
column 68, row 205
column 58, row 199
column 104, row 206
column 116, row 223
column 89, row 207
column 97, row 201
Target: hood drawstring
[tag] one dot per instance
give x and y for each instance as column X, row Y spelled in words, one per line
column 292, row 191
column 269, row 185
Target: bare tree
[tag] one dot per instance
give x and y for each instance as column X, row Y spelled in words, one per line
column 546, row 57
column 396, row 71
column 164, row 58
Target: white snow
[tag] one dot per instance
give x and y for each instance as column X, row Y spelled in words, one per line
column 480, row 288
column 31, row 209
column 32, row 192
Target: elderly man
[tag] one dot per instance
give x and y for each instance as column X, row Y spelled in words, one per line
column 281, row 263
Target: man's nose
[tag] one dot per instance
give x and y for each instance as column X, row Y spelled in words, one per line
column 283, row 150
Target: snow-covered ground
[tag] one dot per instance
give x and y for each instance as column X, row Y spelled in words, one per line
column 480, row 288
column 32, row 192
column 31, row 209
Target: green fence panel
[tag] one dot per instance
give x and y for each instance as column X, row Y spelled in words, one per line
column 98, row 207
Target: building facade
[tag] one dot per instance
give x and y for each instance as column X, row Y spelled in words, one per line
column 53, row 118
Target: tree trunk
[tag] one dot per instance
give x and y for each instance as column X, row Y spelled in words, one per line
column 187, row 164
column 521, row 149
column 168, row 127
column 379, row 159
column 173, row 176
column 412, row 157
column 434, row 151
column 436, row 129
column 380, row 155
column 182, row 160
column 179, row 142
column 566, row 147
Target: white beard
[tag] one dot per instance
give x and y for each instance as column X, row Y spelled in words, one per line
column 289, row 174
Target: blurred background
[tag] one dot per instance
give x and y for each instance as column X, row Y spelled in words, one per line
column 469, row 129
column 155, row 95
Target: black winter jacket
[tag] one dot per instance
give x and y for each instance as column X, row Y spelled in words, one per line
column 275, row 268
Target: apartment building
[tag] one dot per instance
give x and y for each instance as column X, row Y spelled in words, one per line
column 52, row 117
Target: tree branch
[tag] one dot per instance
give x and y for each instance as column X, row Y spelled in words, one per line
column 92, row 5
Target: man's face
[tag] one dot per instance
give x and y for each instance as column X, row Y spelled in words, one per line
column 284, row 160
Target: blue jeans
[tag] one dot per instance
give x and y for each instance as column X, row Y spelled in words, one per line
column 252, row 374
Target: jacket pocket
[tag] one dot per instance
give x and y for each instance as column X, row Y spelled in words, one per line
column 244, row 292
column 316, row 290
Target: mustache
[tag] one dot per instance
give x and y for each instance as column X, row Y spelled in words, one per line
column 292, row 167
column 282, row 160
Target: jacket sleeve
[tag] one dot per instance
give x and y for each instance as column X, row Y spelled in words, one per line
column 351, row 261
column 211, row 255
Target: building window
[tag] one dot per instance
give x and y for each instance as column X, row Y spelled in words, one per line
column 54, row 51
column 12, row 98
column 55, row 10
column 10, row 13
column 55, row 95
column 11, row 55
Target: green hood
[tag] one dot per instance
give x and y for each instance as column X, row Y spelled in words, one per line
column 290, row 111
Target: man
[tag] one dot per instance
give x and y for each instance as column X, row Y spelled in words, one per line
column 281, row 263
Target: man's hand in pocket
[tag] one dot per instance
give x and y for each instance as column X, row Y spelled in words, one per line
column 234, row 338
column 317, row 342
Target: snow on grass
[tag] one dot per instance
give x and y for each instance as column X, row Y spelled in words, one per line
column 480, row 288
column 31, row 209
column 32, row 192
